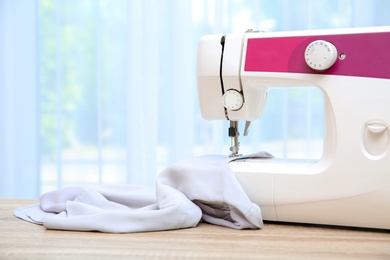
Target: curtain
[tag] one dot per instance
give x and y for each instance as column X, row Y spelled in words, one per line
column 19, row 152
column 104, row 91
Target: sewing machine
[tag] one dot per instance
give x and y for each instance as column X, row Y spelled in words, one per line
column 350, row 184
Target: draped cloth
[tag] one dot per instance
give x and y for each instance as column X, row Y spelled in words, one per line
column 201, row 188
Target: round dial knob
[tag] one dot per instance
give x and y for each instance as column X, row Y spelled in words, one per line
column 320, row 55
column 233, row 99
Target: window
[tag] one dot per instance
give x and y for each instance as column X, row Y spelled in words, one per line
column 105, row 91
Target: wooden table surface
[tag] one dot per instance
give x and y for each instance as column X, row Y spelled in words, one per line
column 23, row 240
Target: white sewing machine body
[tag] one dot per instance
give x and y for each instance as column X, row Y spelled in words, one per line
column 350, row 185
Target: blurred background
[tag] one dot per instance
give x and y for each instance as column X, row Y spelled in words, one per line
column 104, row 91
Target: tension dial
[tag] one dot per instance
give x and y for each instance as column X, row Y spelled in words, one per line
column 233, row 99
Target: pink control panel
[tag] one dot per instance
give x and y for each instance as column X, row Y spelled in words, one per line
column 360, row 55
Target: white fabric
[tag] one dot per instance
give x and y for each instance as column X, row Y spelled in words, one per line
column 198, row 188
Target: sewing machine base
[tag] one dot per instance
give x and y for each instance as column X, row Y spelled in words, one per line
column 281, row 195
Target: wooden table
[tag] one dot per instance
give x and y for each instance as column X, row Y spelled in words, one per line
column 23, row 240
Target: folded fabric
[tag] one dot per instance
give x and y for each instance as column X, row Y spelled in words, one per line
column 190, row 190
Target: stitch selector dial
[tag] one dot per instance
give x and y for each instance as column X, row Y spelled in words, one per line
column 233, row 99
column 320, row 55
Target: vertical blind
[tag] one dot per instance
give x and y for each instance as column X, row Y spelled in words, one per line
column 104, row 91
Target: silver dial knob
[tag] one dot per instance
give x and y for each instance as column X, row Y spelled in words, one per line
column 233, row 99
column 320, row 55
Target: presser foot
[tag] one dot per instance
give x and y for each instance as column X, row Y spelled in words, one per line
column 235, row 155
column 234, row 150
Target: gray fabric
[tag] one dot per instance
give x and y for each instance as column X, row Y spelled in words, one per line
column 186, row 192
